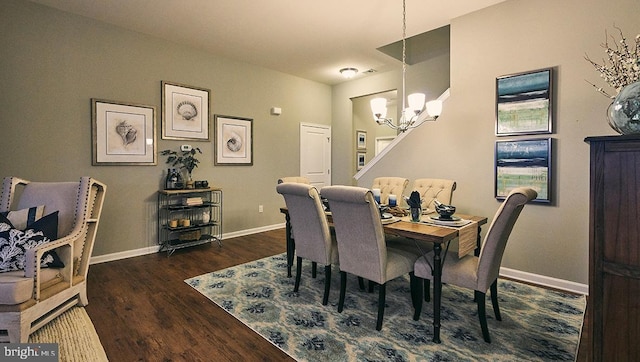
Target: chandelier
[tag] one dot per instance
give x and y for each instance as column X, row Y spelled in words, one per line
column 412, row 116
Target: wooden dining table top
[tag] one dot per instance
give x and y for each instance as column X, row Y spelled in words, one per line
column 423, row 231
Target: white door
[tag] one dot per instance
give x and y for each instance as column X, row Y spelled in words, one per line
column 315, row 153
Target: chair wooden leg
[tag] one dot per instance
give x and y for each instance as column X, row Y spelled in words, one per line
column 327, row 284
column 482, row 315
column 298, row 273
column 343, row 289
column 381, row 303
column 416, row 296
column 494, row 300
column 314, row 269
column 371, row 285
column 361, row 283
column 427, row 290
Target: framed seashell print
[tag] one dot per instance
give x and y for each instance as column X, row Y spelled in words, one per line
column 123, row 133
column 234, row 141
column 185, row 112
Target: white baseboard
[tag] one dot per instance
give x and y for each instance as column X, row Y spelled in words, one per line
column 545, row 281
column 154, row 249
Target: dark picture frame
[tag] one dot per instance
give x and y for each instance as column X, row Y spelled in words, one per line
column 234, row 141
column 524, row 163
column 123, row 134
column 524, row 103
column 185, row 112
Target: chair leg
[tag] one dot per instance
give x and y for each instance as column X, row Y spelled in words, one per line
column 371, row 285
column 482, row 315
column 416, row 296
column 314, row 269
column 361, row 283
column 327, row 284
column 343, row 289
column 381, row 303
column 427, row 290
column 298, row 273
column 494, row 300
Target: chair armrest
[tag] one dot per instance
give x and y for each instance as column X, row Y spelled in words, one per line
column 64, row 249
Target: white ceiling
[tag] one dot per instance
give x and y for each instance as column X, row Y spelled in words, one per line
column 309, row 39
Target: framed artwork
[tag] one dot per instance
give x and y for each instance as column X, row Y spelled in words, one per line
column 524, row 103
column 361, row 160
column 523, row 163
column 361, row 140
column 185, row 112
column 123, row 133
column 234, row 141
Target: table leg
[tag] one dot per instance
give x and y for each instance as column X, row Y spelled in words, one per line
column 437, row 290
column 478, row 242
column 290, row 245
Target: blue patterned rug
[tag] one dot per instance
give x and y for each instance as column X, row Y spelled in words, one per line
column 537, row 324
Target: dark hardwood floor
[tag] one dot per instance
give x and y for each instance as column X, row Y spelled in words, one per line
column 144, row 311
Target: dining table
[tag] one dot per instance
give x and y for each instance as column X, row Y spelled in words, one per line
column 434, row 233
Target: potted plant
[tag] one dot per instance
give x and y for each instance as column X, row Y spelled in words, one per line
column 184, row 160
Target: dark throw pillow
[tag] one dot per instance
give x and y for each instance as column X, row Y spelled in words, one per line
column 15, row 242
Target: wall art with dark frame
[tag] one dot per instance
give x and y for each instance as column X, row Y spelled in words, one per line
column 234, row 141
column 185, row 112
column 523, row 163
column 123, row 133
column 524, row 103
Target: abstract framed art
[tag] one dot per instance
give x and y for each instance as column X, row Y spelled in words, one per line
column 361, row 160
column 524, row 103
column 361, row 140
column 523, row 163
column 234, row 141
column 185, row 112
column 123, row 133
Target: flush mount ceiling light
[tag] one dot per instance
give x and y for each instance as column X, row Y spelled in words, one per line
column 410, row 116
column 348, row 72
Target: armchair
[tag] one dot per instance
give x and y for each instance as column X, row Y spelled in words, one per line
column 32, row 297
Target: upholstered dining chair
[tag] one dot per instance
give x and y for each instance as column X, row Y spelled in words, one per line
column 313, row 237
column 35, row 295
column 294, row 179
column 480, row 273
column 390, row 186
column 361, row 244
column 432, row 188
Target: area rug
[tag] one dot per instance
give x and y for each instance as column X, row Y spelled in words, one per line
column 537, row 324
column 76, row 336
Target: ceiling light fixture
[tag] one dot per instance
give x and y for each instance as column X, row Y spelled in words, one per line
column 348, row 72
column 410, row 116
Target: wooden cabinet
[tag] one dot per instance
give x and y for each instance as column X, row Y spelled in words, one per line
column 189, row 217
column 614, row 248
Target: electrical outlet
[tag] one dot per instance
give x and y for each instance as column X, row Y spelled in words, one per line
column 260, row 208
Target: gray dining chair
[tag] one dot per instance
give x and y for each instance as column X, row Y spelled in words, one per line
column 480, row 273
column 314, row 240
column 362, row 247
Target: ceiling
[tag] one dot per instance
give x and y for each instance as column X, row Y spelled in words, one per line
column 309, row 39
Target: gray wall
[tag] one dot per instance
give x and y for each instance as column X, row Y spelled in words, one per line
column 515, row 36
column 52, row 63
